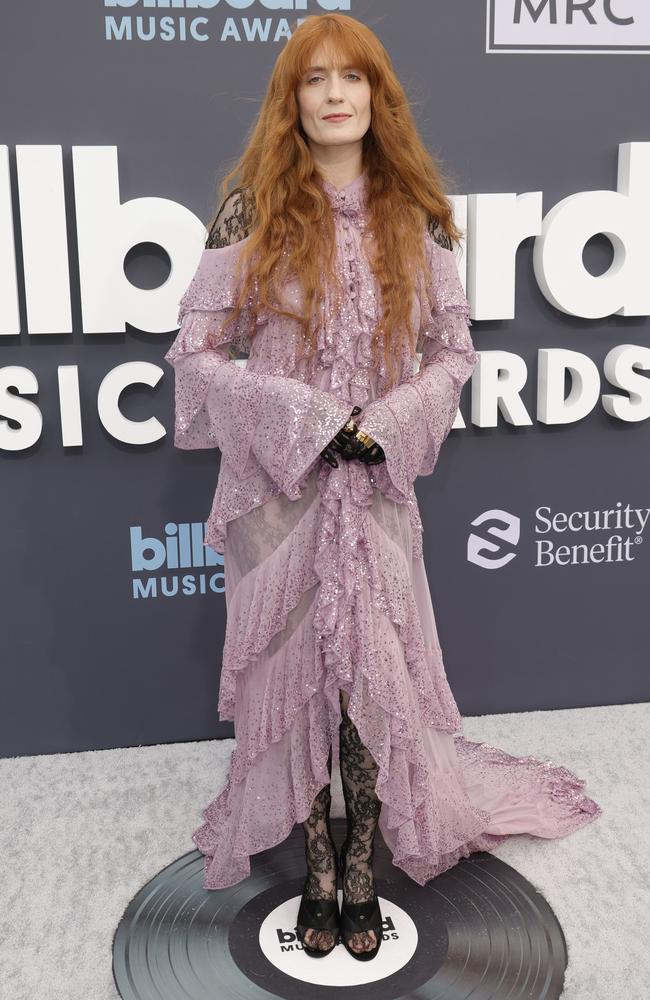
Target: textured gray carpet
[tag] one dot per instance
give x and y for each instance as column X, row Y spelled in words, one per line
column 81, row 833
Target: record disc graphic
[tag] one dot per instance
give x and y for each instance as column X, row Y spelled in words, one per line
column 479, row 930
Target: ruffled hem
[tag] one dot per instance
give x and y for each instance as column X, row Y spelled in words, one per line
column 524, row 794
column 261, row 604
column 259, row 810
column 274, row 692
column 236, row 495
column 479, row 796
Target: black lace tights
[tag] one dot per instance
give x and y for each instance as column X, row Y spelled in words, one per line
column 320, row 854
column 362, row 808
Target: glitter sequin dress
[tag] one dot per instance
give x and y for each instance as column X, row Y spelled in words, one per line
column 325, row 583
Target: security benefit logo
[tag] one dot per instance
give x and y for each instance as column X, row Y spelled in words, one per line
column 559, row 538
column 568, row 26
column 179, row 564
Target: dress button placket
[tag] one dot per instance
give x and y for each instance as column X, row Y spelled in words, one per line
column 351, row 262
column 349, row 243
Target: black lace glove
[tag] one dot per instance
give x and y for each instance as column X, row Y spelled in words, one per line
column 348, row 445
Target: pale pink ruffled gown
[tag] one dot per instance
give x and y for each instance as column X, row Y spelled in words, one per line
column 326, row 587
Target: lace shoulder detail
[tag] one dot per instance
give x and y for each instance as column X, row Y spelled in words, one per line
column 439, row 234
column 234, row 220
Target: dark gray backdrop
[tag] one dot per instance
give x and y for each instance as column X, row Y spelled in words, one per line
column 86, row 663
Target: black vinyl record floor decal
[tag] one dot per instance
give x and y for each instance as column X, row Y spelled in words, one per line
column 479, row 930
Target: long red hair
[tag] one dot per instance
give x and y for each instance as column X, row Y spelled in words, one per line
column 293, row 233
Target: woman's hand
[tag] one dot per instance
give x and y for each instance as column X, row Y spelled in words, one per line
column 352, row 442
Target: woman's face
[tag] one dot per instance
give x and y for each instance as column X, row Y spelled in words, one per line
column 325, row 91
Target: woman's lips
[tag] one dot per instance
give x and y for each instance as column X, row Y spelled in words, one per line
column 336, row 118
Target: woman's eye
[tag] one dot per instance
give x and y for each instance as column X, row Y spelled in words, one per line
column 312, row 78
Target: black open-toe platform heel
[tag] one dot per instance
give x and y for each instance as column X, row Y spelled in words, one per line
column 357, row 917
column 318, row 915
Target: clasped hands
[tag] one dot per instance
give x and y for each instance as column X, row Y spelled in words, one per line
column 352, row 442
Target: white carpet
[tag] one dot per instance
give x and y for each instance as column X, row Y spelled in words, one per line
column 82, row 832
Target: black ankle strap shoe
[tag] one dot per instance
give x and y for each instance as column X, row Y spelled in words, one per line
column 358, row 917
column 318, row 915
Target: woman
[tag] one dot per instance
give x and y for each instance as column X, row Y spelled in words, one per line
column 331, row 266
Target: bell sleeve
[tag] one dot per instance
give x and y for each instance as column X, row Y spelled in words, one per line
column 272, row 421
column 412, row 420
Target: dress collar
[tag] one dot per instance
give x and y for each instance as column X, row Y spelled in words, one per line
column 350, row 199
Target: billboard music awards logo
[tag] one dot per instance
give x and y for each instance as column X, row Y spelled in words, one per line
column 180, row 564
column 589, row 26
column 190, row 20
column 577, row 538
